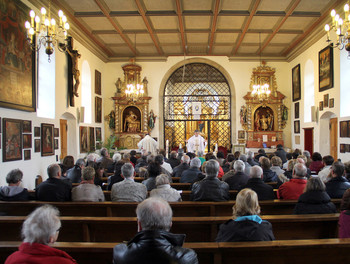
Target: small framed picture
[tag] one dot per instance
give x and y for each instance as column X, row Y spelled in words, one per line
column 27, row 126
column 296, row 83
column 331, row 103
column 97, row 82
column 325, row 68
column 27, row 141
column 36, row 131
column 36, row 145
column 27, row 154
column 343, row 128
column 98, row 134
column 347, row 147
column 297, row 127
column 83, row 139
column 321, row 106
column 98, row 109
column 47, row 142
column 241, row 134
column 12, row 139
column 325, row 100
column 342, row 148
column 296, row 110
column 56, row 132
column 56, row 143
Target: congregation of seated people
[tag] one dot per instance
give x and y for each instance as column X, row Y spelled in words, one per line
column 311, row 180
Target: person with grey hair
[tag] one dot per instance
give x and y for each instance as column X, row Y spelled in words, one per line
column 263, row 190
column 192, row 174
column 14, row 191
column 128, row 190
column 39, row 231
column 292, row 189
column 74, row 174
column 315, row 199
column 116, row 157
column 177, row 171
column 173, row 160
column 53, row 189
column 307, row 154
column 250, row 158
column 164, row 190
column 338, row 184
column 239, row 178
column 166, row 168
column 87, row 191
column 210, row 188
column 105, row 160
column 247, row 168
column 154, row 243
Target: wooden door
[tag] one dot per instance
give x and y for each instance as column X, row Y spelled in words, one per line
column 333, row 132
column 63, row 133
column 309, row 139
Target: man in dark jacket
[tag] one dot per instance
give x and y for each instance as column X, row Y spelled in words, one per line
column 263, row 190
column 173, row 160
column 192, row 174
column 250, row 159
column 210, row 188
column 74, row 174
column 280, row 152
column 239, row 178
column 177, row 171
column 269, row 175
column 53, row 189
column 336, row 186
column 154, row 243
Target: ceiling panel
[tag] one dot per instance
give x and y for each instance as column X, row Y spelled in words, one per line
column 196, row 22
column 88, row 6
column 222, row 50
column 173, row 50
column 226, row 37
column 248, row 50
column 197, row 5
column 140, row 38
column 298, row 23
column 264, row 22
column 273, row 50
column 197, row 37
column 230, row 22
column 235, row 4
column 283, row 38
column 122, row 51
column 131, row 22
column 273, row 5
column 165, row 38
column 164, row 22
column 97, row 23
column 121, row 5
column 146, row 50
column 156, row 5
column 254, row 38
column 313, row 5
column 111, row 38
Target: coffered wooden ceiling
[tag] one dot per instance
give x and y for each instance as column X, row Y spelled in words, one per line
column 117, row 30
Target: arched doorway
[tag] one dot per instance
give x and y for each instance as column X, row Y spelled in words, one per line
column 68, row 135
column 197, row 96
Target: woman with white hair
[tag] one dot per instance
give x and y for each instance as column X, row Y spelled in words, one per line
column 246, row 224
column 164, row 190
column 40, row 230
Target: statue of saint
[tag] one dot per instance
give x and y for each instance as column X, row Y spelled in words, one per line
column 131, row 124
column 264, row 123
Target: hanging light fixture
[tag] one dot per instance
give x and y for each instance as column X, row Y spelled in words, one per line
column 342, row 29
column 260, row 89
column 44, row 31
column 132, row 78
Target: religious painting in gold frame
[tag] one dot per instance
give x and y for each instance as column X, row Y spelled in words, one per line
column 17, row 75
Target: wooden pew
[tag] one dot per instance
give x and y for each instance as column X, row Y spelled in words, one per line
column 323, row 251
column 127, row 209
column 197, row 229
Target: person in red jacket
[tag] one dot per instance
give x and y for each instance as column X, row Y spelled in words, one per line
column 292, row 189
column 40, row 230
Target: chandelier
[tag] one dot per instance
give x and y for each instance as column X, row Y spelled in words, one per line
column 44, row 31
column 342, row 29
column 260, row 89
column 134, row 88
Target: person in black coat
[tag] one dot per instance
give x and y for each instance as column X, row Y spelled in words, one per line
column 261, row 153
column 173, row 160
column 246, row 224
column 53, row 189
column 74, row 174
column 315, row 200
column 192, row 174
column 263, row 190
column 336, row 186
column 239, row 178
column 117, row 177
column 177, row 171
column 280, row 152
column 269, row 175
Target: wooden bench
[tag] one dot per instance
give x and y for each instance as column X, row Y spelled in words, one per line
column 323, row 251
column 127, row 209
column 197, row 229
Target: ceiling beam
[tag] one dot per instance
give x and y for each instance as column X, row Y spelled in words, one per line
column 246, row 26
column 148, row 25
column 294, row 4
column 181, row 25
column 213, row 26
column 110, row 19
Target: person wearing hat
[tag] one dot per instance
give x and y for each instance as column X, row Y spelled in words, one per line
column 196, row 143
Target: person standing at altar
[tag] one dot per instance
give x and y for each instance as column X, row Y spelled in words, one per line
column 196, row 143
column 148, row 143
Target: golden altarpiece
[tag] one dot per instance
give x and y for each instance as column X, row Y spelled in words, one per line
column 264, row 117
column 131, row 111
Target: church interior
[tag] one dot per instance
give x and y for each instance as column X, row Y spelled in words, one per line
column 193, row 65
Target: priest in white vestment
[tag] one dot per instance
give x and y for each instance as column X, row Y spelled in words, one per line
column 149, row 144
column 196, row 143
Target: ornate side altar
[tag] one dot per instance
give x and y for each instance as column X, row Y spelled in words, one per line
column 131, row 110
column 264, row 119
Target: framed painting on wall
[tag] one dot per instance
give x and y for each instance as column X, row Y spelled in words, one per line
column 47, row 140
column 343, row 128
column 27, row 154
column 12, row 139
column 325, row 100
column 83, row 139
column 297, row 127
column 296, row 83
column 36, row 131
column 321, row 106
column 325, row 68
column 17, row 65
column 98, row 134
column 97, row 82
column 56, row 132
column 98, row 109
column 27, row 141
column 56, row 143
column 331, row 103
column 296, row 110
column 27, row 126
column 36, row 145
column 91, row 138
